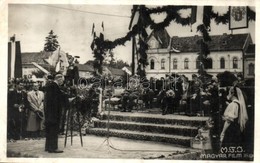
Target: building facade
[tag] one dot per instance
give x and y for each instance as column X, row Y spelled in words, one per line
column 180, row 54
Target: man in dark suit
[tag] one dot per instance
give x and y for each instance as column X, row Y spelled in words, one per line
column 17, row 102
column 53, row 108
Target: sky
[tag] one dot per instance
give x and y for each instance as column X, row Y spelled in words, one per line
column 31, row 23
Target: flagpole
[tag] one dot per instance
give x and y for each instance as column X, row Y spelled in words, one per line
column 133, row 55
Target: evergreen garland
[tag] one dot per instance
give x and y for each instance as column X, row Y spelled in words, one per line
column 100, row 46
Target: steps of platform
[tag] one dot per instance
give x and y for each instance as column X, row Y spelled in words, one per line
column 148, row 127
column 157, row 119
column 174, row 139
column 175, row 129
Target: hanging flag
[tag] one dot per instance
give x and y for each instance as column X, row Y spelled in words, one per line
column 193, row 17
column 238, row 17
column 134, row 17
column 93, row 27
column 14, row 59
column 102, row 25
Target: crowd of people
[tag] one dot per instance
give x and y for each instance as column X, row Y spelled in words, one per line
column 36, row 110
column 174, row 94
column 229, row 106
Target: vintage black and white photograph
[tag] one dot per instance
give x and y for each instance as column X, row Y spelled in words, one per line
column 131, row 81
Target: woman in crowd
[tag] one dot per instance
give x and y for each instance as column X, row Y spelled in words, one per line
column 235, row 118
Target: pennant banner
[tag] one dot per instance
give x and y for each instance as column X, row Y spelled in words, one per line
column 102, row 25
column 93, row 27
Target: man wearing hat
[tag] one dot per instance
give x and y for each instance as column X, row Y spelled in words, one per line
column 35, row 115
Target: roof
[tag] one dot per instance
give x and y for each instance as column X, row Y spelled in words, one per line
column 162, row 37
column 219, row 42
column 85, row 67
column 89, row 68
column 38, row 57
column 116, row 71
column 250, row 48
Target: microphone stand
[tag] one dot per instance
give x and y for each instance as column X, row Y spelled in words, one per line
column 108, row 119
column 70, row 121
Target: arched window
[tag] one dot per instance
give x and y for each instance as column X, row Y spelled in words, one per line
column 222, row 63
column 175, row 66
column 208, row 64
column 186, row 63
column 163, row 64
column 152, row 64
column 197, row 63
column 235, row 62
column 251, row 69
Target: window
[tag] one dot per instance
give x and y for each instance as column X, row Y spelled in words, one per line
column 152, row 64
column 235, row 63
column 222, row 63
column 251, row 69
column 186, row 63
column 197, row 63
column 163, row 64
column 175, row 66
column 208, row 64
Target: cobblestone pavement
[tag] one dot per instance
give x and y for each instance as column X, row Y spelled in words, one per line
column 98, row 147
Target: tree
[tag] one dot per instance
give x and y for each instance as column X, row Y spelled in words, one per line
column 51, row 43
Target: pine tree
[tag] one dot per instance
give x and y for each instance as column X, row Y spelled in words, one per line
column 51, row 42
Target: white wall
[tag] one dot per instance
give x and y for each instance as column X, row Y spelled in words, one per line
column 157, row 55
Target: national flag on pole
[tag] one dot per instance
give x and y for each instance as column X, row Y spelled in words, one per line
column 14, row 59
column 93, row 27
column 193, row 17
column 102, row 25
column 58, row 65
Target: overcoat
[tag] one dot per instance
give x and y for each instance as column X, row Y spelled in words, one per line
column 36, row 103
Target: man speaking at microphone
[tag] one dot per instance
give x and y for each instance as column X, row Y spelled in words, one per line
column 53, row 109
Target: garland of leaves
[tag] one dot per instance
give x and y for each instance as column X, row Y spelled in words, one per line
column 145, row 20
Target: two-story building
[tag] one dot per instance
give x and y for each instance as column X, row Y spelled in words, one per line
column 180, row 54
